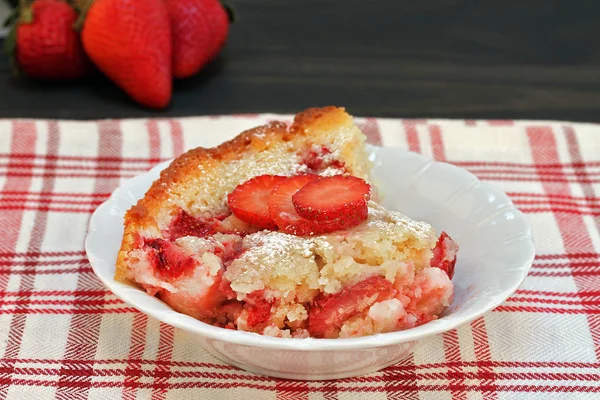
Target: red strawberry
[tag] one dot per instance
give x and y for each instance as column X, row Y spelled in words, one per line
column 130, row 41
column 444, row 254
column 284, row 214
column 282, row 210
column 199, row 29
column 328, row 313
column 249, row 201
column 332, row 198
column 46, row 45
column 219, row 23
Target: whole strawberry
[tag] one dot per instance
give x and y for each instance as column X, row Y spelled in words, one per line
column 130, row 41
column 46, row 45
column 199, row 29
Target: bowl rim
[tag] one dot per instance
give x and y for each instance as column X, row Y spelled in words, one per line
column 193, row 325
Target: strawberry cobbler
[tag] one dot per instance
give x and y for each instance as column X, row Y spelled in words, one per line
column 277, row 232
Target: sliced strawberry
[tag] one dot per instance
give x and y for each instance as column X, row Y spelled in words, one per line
column 283, row 212
column 444, row 254
column 248, row 201
column 328, row 313
column 333, row 198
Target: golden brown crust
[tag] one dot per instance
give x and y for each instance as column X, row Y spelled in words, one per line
column 143, row 215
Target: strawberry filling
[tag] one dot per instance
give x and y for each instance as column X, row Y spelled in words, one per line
column 186, row 225
column 259, row 309
column 328, row 313
column 169, row 260
column 321, row 159
column 444, row 254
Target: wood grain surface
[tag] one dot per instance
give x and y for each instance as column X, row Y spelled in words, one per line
column 396, row 58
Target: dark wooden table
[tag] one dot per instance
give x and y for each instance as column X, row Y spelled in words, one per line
column 397, row 58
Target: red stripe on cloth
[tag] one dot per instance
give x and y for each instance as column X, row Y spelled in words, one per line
column 481, row 348
column 177, row 137
column 292, row 390
column 412, row 136
column 75, row 363
column 547, row 174
column 24, row 138
column 160, row 385
column 576, row 237
column 37, row 254
column 437, row 143
column 370, row 127
column 580, row 171
column 399, row 387
column 85, row 324
column 501, row 122
column 405, row 371
column 54, row 194
column 455, row 374
column 589, row 193
column 45, row 209
column 136, row 351
column 534, row 166
column 79, row 167
column 87, row 159
column 153, row 138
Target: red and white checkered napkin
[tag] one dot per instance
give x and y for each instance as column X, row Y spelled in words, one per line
column 63, row 335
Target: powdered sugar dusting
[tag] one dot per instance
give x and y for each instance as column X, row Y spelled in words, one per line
column 286, row 263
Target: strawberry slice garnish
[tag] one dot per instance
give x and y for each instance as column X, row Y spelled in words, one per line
column 249, row 201
column 328, row 313
column 333, row 198
column 444, row 254
column 281, row 208
column 283, row 211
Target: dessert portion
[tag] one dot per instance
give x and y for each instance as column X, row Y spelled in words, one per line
column 277, row 232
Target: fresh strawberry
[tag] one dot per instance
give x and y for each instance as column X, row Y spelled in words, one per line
column 219, row 22
column 130, row 41
column 249, row 201
column 328, row 313
column 45, row 44
column 333, row 198
column 444, row 254
column 199, row 29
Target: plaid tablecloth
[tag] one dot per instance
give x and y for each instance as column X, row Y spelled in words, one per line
column 63, row 335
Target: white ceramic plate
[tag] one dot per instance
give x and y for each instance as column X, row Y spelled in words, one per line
column 496, row 252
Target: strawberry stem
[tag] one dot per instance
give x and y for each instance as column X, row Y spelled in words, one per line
column 83, row 7
column 231, row 13
column 25, row 12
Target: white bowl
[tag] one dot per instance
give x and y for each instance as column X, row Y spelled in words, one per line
column 496, row 252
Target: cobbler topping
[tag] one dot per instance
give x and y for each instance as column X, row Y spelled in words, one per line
column 276, row 261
